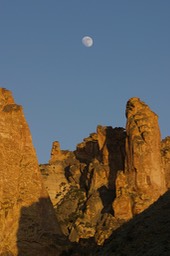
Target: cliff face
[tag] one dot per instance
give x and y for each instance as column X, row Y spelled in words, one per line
column 144, row 235
column 143, row 180
column 165, row 153
column 113, row 176
column 27, row 219
column 81, row 184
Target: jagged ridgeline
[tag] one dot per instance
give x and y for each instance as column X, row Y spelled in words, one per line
column 89, row 201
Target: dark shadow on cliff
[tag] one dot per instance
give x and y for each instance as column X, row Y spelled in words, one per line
column 147, row 234
column 115, row 143
column 107, row 196
column 38, row 231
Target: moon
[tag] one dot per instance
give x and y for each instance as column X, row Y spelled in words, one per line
column 87, row 41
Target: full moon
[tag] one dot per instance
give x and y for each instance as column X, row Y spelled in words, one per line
column 87, row 41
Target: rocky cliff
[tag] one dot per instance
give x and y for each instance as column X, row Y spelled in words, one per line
column 112, row 176
column 143, row 180
column 27, row 220
column 87, row 201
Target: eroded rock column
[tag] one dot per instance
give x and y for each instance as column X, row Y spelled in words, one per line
column 144, row 175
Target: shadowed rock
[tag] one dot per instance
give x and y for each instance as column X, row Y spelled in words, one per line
column 81, row 184
column 146, row 234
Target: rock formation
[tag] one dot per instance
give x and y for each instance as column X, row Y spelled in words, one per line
column 165, row 153
column 143, row 180
column 81, row 184
column 80, row 200
column 28, row 224
column 144, row 235
column 113, row 175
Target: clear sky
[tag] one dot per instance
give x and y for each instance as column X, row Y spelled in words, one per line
column 67, row 89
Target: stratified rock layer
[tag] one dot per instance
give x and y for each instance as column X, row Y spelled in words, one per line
column 27, row 221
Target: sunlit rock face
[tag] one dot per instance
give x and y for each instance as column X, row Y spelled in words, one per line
column 165, row 152
column 113, row 175
column 143, row 147
column 143, row 179
column 81, row 184
column 27, row 220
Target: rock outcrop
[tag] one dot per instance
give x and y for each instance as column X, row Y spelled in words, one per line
column 80, row 201
column 165, row 153
column 144, row 235
column 81, row 184
column 28, row 224
column 143, row 180
column 113, row 175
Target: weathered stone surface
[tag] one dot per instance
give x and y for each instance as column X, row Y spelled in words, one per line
column 55, row 181
column 27, row 220
column 113, row 175
column 106, row 147
column 59, row 155
column 70, row 209
column 112, row 147
column 143, row 180
column 105, row 228
column 165, row 152
column 81, row 184
column 123, row 203
column 143, row 146
column 115, row 168
column 88, row 150
column 85, row 225
column 146, row 234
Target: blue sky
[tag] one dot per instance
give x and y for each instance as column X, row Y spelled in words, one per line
column 66, row 89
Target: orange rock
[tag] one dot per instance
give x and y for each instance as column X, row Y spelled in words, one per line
column 165, row 151
column 57, row 154
column 143, row 158
column 144, row 173
column 26, row 213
